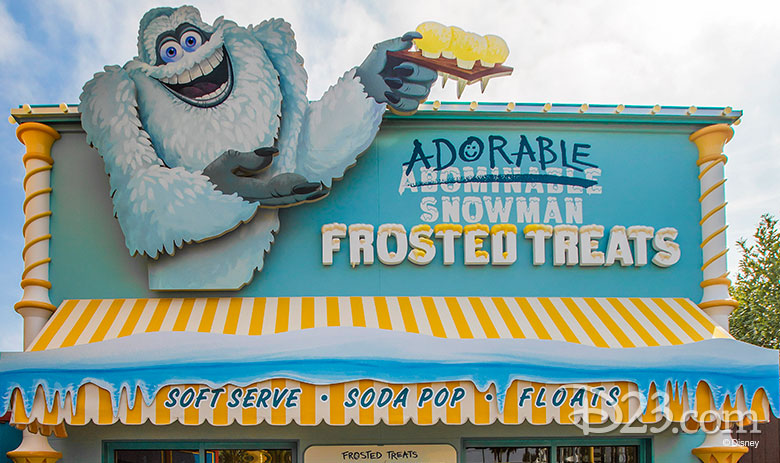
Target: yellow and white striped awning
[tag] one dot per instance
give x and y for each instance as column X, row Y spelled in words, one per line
column 600, row 322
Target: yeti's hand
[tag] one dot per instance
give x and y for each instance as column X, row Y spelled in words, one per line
column 400, row 84
column 232, row 173
column 230, row 168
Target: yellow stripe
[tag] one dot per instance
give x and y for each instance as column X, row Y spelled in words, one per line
column 410, row 324
column 332, row 308
column 660, row 326
column 481, row 407
column 33, row 242
column 336, row 402
column 675, row 403
column 55, row 324
column 135, row 315
column 258, row 314
column 20, row 416
column 185, row 312
column 307, row 313
column 533, row 319
column 81, row 323
column 32, row 172
column 248, row 415
column 365, row 415
column 32, row 219
column 696, row 313
column 622, row 410
column 432, row 314
column 358, row 314
column 191, row 414
column 711, row 189
column 511, row 411
column 162, row 415
column 209, row 311
column 105, row 410
column 220, row 414
column 710, row 214
column 508, row 317
column 651, row 414
column 135, row 414
column 424, row 414
column 279, row 415
column 308, row 404
column 234, row 311
column 560, row 323
column 714, row 258
column 757, row 406
column 483, row 318
column 160, row 312
column 611, row 325
column 395, row 415
column 382, row 313
column 32, row 195
column 107, row 321
column 453, row 414
column 565, row 411
column 457, row 316
column 678, row 320
column 80, row 413
column 29, row 267
column 282, row 315
column 715, row 157
column 583, row 321
column 635, row 325
column 52, row 417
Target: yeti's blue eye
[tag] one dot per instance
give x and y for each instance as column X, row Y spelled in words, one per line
column 191, row 40
column 170, row 51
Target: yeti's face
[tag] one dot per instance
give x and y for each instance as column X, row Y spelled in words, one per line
column 203, row 89
column 188, row 57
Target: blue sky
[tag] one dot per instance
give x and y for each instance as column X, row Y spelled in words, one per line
column 713, row 53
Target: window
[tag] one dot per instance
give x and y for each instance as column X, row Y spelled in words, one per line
column 557, row 451
column 599, row 454
column 198, row 452
column 507, row 454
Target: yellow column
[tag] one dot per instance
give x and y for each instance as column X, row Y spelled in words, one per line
column 35, row 306
column 710, row 142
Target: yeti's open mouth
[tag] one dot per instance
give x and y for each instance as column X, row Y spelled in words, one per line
column 205, row 84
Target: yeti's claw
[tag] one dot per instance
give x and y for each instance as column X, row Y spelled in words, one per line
column 290, row 189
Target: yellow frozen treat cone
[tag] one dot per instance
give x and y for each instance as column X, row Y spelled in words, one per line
column 468, row 48
column 435, row 38
column 496, row 51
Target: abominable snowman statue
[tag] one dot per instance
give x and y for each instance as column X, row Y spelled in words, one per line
column 209, row 128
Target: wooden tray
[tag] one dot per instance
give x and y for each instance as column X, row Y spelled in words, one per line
column 450, row 66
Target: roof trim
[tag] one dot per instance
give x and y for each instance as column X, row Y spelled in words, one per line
column 449, row 110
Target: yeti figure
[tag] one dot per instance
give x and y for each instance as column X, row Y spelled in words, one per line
column 209, row 129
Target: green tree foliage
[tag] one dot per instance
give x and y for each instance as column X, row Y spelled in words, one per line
column 757, row 289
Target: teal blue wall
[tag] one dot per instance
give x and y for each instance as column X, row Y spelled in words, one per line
column 649, row 177
column 85, row 443
column 10, row 438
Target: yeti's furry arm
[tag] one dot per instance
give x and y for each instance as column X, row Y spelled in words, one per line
column 337, row 129
column 318, row 140
column 158, row 208
column 278, row 40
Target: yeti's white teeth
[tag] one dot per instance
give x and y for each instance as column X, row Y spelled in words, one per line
column 196, row 71
column 214, row 61
column 199, row 69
